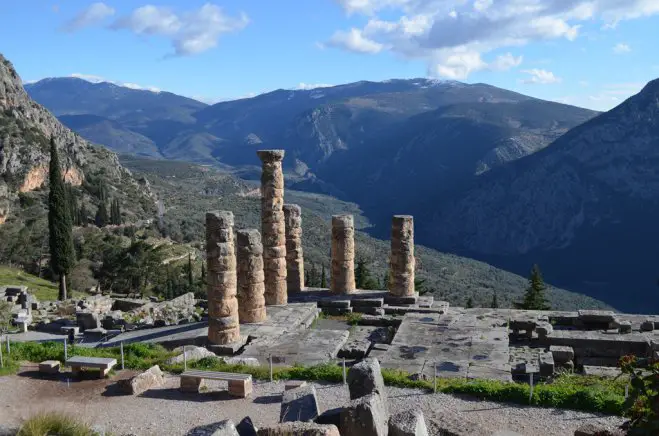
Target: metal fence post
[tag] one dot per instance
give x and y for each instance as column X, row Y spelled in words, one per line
column 270, row 358
column 66, row 353
column 8, row 347
column 345, row 379
column 1, row 360
column 531, row 390
column 626, row 391
column 121, row 346
column 434, row 379
column 185, row 360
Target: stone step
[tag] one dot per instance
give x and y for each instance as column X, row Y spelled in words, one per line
column 336, row 311
column 426, row 301
column 375, row 311
column 368, row 302
column 334, row 303
column 394, row 300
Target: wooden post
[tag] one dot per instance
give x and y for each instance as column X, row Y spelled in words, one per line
column 270, row 358
column 345, row 380
column 121, row 345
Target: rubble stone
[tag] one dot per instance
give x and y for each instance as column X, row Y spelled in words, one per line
column 299, row 404
column 151, row 378
column 408, row 423
column 365, row 416
column 299, row 429
column 365, row 378
column 226, row 428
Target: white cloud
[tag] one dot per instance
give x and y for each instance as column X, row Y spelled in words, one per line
column 584, row 83
column 94, row 14
column 541, row 77
column 605, row 97
column 453, row 36
column 98, row 79
column 190, row 33
column 354, row 40
column 621, row 48
column 505, row 62
column 308, row 86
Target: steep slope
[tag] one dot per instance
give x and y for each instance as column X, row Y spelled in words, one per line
column 189, row 190
column 585, row 208
column 25, row 130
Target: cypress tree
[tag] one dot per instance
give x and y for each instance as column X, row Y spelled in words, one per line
column 534, row 297
column 323, row 279
column 60, row 227
column 101, row 215
column 495, row 302
column 83, row 215
column 190, row 275
column 470, row 303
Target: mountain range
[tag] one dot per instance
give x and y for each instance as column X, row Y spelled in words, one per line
column 489, row 173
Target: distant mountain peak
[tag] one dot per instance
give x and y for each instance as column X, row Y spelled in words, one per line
column 93, row 80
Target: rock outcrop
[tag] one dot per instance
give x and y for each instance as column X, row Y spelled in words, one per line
column 151, row 378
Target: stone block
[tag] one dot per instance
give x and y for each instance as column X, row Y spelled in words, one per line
column 87, row 320
column 331, row 416
column 409, row 423
column 367, row 302
column 299, row 404
column 546, row 364
column 336, row 311
column 365, row 378
column 562, row 354
column 240, row 388
column 394, row 300
column 374, row 311
column 596, row 316
column 246, row 427
column 225, row 428
column 625, row 327
column 151, row 378
column 544, row 329
column 299, row 429
column 49, row 367
column 365, row 416
column 647, row 325
column 343, row 304
column 294, row 384
column 68, row 329
column 192, row 384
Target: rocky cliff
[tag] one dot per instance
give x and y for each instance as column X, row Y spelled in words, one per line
column 25, row 131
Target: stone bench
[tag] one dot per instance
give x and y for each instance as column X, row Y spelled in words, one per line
column 103, row 364
column 49, row 367
column 240, row 385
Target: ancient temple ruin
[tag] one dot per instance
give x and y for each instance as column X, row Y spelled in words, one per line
column 273, row 227
column 342, row 280
column 223, row 326
column 294, row 254
column 251, row 285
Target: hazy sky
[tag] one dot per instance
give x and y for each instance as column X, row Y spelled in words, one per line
column 591, row 53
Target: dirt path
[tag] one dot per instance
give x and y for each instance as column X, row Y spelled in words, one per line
column 165, row 410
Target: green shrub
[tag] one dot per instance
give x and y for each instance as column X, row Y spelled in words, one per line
column 54, row 423
column 642, row 405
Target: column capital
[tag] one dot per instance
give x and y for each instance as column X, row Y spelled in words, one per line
column 270, row 155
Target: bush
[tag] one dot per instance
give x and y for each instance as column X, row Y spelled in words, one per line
column 54, row 423
column 642, row 405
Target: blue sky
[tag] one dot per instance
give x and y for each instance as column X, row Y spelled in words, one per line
column 591, row 53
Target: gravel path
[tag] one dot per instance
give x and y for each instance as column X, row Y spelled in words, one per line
column 167, row 411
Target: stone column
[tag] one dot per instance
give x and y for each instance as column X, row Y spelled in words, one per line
column 273, row 227
column 223, row 327
column 294, row 257
column 401, row 261
column 343, row 254
column 251, row 286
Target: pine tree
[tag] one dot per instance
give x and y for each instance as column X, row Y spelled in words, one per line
column 470, row 303
column 534, row 297
column 363, row 278
column 323, row 278
column 313, row 276
column 385, row 280
column 101, row 218
column 495, row 302
column 420, row 286
column 60, row 226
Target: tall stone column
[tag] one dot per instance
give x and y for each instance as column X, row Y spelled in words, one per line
column 401, row 261
column 251, row 286
column 294, row 256
column 273, row 227
column 343, row 254
column 223, row 327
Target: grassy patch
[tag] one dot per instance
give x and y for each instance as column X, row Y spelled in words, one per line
column 41, row 288
column 586, row 393
column 54, row 424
